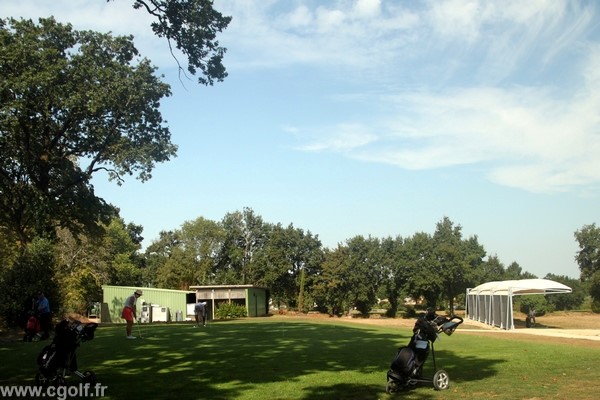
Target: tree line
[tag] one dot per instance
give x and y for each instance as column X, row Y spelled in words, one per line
column 302, row 274
column 299, row 272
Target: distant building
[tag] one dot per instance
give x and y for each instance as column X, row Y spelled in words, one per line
column 254, row 298
column 155, row 305
column 167, row 305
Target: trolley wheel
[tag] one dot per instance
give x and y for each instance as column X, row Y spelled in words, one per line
column 41, row 380
column 89, row 377
column 391, row 386
column 441, row 381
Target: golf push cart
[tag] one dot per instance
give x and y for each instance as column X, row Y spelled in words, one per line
column 58, row 359
column 406, row 369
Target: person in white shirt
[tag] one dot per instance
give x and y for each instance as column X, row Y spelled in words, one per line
column 200, row 313
column 129, row 312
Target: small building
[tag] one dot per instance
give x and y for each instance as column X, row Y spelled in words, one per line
column 167, row 305
column 254, row 298
column 155, row 305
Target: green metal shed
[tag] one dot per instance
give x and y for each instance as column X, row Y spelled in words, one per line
column 254, row 298
column 173, row 303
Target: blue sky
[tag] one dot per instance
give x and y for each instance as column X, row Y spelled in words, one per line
column 380, row 118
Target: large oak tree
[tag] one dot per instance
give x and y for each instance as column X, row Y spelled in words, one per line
column 72, row 103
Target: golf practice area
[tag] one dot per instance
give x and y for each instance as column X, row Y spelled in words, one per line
column 281, row 357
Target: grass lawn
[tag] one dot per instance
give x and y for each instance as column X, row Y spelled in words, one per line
column 292, row 358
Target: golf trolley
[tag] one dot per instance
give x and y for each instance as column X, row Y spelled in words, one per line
column 406, row 369
column 58, row 359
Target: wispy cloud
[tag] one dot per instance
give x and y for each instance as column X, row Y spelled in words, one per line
column 344, row 138
column 508, row 86
column 528, row 138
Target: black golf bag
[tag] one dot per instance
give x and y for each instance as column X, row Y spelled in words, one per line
column 59, row 359
column 406, row 368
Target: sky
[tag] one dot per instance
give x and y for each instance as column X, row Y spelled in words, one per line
column 379, row 118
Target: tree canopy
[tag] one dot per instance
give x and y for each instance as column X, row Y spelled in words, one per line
column 588, row 259
column 72, row 104
column 192, row 26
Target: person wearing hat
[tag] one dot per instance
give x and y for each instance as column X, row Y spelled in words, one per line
column 129, row 312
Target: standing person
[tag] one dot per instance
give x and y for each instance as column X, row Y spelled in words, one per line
column 42, row 309
column 129, row 312
column 530, row 319
column 200, row 312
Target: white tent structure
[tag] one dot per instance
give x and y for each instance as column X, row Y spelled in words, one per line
column 492, row 303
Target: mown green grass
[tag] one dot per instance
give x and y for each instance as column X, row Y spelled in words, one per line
column 274, row 358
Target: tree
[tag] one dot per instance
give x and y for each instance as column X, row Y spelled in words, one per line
column 491, row 270
column 82, row 268
column 588, row 258
column 8, row 246
column 331, row 285
column 424, row 276
column 287, row 264
column 457, row 260
column 187, row 256
column 245, row 235
column 395, row 271
column 534, row 302
column 178, row 271
column 157, row 254
column 85, row 263
column 514, row 271
column 594, row 287
column 566, row 301
column 33, row 270
column 121, row 248
column 72, row 104
column 349, row 276
column 203, row 240
column 192, row 25
column 364, row 273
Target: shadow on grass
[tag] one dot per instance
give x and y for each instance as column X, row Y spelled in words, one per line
column 225, row 360
column 343, row 391
column 539, row 324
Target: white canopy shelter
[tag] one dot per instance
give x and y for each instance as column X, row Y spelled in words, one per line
column 492, row 303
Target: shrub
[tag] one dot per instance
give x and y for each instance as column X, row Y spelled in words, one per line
column 535, row 302
column 384, row 304
column 411, row 312
column 32, row 270
column 230, row 310
column 596, row 306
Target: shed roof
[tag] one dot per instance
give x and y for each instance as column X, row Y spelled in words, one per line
column 226, row 287
column 145, row 289
column 520, row 287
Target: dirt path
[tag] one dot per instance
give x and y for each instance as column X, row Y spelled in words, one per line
column 572, row 328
